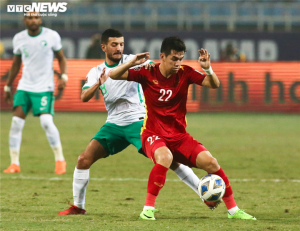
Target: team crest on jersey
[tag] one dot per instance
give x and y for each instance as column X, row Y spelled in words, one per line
column 43, row 43
column 155, row 81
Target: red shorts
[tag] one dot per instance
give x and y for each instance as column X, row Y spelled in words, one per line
column 185, row 150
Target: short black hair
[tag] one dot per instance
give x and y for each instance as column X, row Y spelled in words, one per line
column 172, row 43
column 110, row 33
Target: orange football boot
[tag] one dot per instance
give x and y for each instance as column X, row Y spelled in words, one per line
column 13, row 168
column 60, row 167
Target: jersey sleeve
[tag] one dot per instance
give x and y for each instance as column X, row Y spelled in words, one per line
column 16, row 47
column 56, row 42
column 136, row 74
column 195, row 76
column 91, row 78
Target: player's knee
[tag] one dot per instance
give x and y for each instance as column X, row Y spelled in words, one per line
column 17, row 125
column 212, row 165
column 46, row 121
column 44, row 125
column 165, row 159
column 83, row 162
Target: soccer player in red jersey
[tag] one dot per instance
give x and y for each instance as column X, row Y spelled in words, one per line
column 164, row 137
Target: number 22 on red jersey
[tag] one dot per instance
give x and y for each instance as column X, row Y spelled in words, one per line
column 151, row 139
column 165, row 95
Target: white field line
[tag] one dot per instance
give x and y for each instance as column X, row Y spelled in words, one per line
column 21, row 177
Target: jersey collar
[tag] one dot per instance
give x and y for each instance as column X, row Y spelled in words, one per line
column 37, row 34
column 111, row 66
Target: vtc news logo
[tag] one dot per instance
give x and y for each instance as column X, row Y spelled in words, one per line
column 39, row 7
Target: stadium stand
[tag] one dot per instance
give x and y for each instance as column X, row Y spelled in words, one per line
column 182, row 15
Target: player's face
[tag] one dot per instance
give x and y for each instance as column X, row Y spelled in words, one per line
column 173, row 61
column 33, row 22
column 114, row 49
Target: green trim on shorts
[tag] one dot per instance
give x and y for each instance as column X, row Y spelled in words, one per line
column 115, row 138
column 85, row 88
column 39, row 102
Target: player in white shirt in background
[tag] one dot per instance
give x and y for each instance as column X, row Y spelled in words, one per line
column 35, row 47
column 124, row 102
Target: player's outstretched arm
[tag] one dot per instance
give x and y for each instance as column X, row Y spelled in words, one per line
column 13, row 72
column 211, row 80
column 62, row 61
column 121, row 72
column 88, row 93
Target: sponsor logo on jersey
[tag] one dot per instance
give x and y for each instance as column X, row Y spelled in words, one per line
column 155, row 81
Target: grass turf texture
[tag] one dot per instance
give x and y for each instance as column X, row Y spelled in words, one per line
column 247, row 146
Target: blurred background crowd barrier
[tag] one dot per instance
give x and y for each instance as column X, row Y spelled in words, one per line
column 245, row 87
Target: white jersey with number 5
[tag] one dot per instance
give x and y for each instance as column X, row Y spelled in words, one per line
column 37, row 57
column 124, row 100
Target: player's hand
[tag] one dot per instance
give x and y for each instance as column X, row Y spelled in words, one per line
column 148, row 66
column 140, row 58
column 103, row 77
column 61, row 84
column 204, row 59
column 8, row 97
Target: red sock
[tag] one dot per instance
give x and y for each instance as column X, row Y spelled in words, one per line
column 156, row 181
column 228, row 196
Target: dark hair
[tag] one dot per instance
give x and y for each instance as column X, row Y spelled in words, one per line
column 110, row 33
column 172, row 43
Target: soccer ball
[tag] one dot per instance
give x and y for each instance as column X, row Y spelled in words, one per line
column 211, row 188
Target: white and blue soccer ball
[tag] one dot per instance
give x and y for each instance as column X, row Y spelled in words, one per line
column 211, row 188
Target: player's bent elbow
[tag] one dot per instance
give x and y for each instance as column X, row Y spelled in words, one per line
column 215, row 85
column 84, row 98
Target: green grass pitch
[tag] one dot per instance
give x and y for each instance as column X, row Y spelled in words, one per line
column 260, row 154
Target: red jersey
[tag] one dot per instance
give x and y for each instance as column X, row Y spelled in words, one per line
column 165, row 98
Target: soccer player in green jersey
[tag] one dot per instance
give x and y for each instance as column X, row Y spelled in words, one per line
column 35, row 47
column 126, row 112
